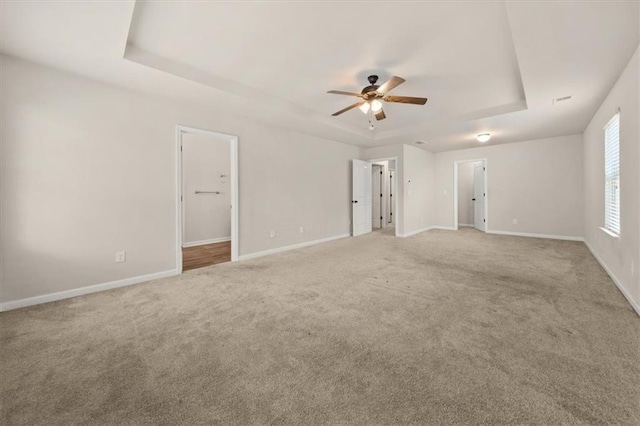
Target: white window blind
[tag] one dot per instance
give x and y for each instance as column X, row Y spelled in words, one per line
column 612, row 175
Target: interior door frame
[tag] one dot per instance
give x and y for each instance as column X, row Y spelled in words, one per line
column 233, row 180
column 394, row 192
column 486, row 191
column 380, row 201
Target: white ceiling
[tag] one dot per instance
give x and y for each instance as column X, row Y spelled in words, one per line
column 485, row 66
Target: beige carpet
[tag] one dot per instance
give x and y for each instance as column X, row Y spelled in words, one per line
column 440, row 328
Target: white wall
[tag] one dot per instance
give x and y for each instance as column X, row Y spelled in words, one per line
column 207, row 217
column 620, row 256
column 89, row 169
column 538, row 182
column 465, row 193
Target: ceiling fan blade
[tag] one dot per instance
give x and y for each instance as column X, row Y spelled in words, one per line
column 340, row 92
column 395, row 81
column 406, row 100
column 380, row 115
column 357, row 104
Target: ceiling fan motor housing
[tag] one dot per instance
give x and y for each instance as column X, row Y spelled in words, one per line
column 369, row 91
column 372, row 88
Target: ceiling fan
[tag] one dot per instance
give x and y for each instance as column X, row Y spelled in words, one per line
column 373, row 94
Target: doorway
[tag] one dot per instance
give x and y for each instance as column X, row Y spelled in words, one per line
column 470, row 194
column 382, row 194
column 374, row 203
column 377, row 196
column 207, row 188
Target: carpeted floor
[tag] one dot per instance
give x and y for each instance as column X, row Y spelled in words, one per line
column 440, row 328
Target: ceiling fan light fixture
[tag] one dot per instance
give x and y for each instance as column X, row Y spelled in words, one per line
column 371, row 97
column 376, row 105
column 483, row 137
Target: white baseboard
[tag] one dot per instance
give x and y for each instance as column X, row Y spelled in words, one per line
column 203, row 242
column 428, row 228
column 470, row 225
column 409, row 234
column 291, row 247
column 634, row 305
column 515, row 234
column 67, row 294
column 445, row 228
column 525, row 234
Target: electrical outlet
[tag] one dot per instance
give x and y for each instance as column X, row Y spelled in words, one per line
column 121, row 256
column 515, row 221
column 272, row 234
column 302, row 229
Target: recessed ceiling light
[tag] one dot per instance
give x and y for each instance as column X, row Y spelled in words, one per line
column 483, row 137
column 419, row 142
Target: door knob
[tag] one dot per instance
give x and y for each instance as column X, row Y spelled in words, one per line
column 473, row 199
column 354, row 201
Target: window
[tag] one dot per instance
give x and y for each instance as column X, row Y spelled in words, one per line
column 612, row 175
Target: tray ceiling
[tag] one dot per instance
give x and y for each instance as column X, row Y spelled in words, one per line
column 485, row 66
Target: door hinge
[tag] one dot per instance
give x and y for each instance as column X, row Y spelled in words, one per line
column 484, row 194
column 484, row 168
column 381, row 195
column 484, row 220
column 180, row 148
column 380, row 217
column 181, row 198
column 380, row 171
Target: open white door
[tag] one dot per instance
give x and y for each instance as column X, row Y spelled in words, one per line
column 361, row 197
column 479, row 195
